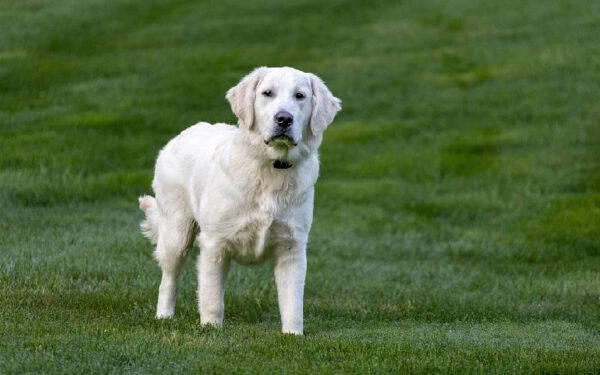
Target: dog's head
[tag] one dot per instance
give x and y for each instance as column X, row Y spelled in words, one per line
column 284, row 109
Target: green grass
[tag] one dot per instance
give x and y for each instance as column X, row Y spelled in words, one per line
column 457, row 218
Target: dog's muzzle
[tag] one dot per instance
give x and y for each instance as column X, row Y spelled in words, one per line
column 283, row 123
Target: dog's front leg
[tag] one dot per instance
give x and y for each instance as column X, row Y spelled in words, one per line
column 212, row 270
column 290, row 273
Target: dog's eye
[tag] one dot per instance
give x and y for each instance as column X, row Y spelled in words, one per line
column 300, row 96
column 267, row 93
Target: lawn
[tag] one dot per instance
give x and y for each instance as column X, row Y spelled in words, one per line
column 457, row 216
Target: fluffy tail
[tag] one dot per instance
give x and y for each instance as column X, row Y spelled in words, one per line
column 149, row 226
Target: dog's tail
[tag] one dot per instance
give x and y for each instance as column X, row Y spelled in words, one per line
column 149, row 226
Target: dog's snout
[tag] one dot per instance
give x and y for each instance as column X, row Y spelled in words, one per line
column 284, row 119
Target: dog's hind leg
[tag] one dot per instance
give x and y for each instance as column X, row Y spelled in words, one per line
column 175, row 236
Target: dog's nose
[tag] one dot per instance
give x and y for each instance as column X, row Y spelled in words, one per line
column 284, row 119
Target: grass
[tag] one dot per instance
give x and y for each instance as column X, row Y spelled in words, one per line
column 457, row 218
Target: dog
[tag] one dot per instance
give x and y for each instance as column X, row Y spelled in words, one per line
column 246, row 192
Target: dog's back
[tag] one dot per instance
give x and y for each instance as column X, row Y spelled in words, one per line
column 192, row 150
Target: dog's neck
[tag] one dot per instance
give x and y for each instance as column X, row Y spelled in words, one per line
column 250, row 171
column 253, row 148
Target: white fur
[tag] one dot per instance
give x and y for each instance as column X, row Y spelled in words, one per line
column 218, row 182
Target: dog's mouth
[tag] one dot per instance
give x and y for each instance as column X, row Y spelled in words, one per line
column 281, row 140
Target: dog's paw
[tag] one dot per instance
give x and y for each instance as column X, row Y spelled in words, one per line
column 164, row 315
column 294, row 332
column 211, row 322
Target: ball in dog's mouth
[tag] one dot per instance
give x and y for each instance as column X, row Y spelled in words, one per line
column 281, row 141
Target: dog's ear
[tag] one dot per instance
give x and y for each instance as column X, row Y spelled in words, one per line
column 241, row 97
column 324, row 106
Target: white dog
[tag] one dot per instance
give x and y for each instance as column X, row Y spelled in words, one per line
column 247, row 191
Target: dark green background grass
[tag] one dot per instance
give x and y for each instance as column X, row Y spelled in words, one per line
column 457, row 218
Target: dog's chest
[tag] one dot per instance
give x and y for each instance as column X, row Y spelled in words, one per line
column 260, row 227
